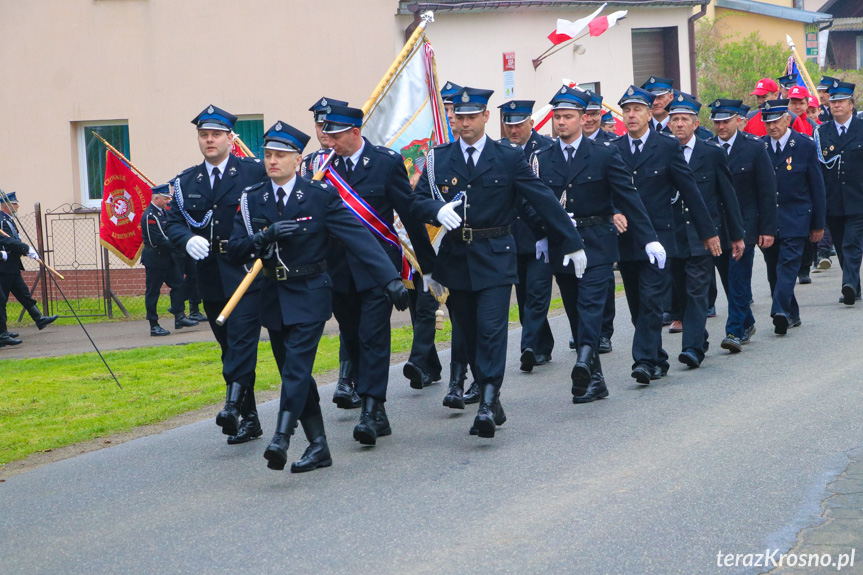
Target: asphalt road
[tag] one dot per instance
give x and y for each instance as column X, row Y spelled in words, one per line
column 734, row 457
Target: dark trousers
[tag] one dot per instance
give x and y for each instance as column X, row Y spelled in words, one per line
column 721, row 264
column 13, row 283
column 295, row 347
column 533, row 293
column 154, row 278
column 783, row 264
column 364, row 326
column 691, row 280
column 584, row 301
column 609, row 311
column 238, row 338
column 646, row 286
column 483, row 318
column 460, row 352
column 848, row 239
column 826, row 242
column 738, row 290
column 810, row 250
column 189, row 271
column 423, row 306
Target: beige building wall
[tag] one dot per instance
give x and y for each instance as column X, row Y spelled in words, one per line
column 739, row 25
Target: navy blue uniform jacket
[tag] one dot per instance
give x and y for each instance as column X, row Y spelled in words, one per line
column 802, row 203
column 844, row 181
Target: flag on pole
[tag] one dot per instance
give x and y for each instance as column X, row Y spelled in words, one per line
column 599, row 25
column 567, row 30
column 791, row 68
column 124, row 198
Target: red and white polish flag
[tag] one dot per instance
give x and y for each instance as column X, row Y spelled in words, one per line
column 599, row 25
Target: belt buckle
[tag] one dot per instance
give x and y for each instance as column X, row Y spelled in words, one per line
column 223, row 246
column 281, row 273
column 467, row 235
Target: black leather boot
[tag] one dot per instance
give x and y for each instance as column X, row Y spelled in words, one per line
column 596, row 389
column 181, row 321
column 345, row 395
column 250, row 426
column 41, row 320
column 454, row 398
column 366, row 431
column 317, row 454
column 472, row 393
column 490, row 412
column 229, row 418
column 382, row 422
column 276, row 453
column 581, row 371
column 6, row 338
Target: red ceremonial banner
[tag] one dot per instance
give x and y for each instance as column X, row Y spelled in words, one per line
column 124, row 198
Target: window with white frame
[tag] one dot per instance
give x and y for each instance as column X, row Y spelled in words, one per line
column 91, row 155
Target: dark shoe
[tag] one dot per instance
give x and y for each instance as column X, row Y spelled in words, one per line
column 12, row 334
column 711, row 311
column 803, row 280
column 382, row 422
column 276, row 453
column 597, row 388
column 366, row 430
column 417, row 377
column 659, row 372
column 794, row 322
column 689, row 358
column 7, row 339
column 317, row 454
column 472, row 394
column 490, row 413
column 528, row 360
column 250, row 429
column 666, row 318
column 849, row 295
column 824, row 263
column 41, row 320
column 604, row 345
column 732, row 343
column 580, row 375
column 158, row 330
column 181, row 321
column 543, row 358
column 676, row 326
column 780, row 324
column 642, row 374
column 748, row 332
column 572, row 344
column 229, row 418
column 197, row 316
column 454, row 398
column 345, row 395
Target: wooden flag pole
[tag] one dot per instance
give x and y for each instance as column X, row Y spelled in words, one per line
column 54, row 272
column 125, row 159
column 801, row 67
column 236, row 138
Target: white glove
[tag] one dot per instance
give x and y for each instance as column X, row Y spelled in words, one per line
column 656, row 253
column 542, row 249
column 429, row 283
column 31, row 253
column 198, row 247
column 447, row 216
column 3, row 256
column 572, row 219
column 579, row 260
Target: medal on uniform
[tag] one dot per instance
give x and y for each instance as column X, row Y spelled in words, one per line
column 454, row 181
column 445, row 190
column 831, row 148
column 788, row 161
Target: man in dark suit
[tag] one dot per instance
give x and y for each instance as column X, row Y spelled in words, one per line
column 591, row 182
column 473, row 187
column 12, row 249
column 10, row 274
column 841, row 145
column 200, row 220
column 287, row 221
column 755, row 185
column 312, row 162
column 659, row 173
column 663, row 92
column 379, row 181
column 800, row 209
column 533, row 290
column 692, row 264
column 160, row 265
column 824, row 114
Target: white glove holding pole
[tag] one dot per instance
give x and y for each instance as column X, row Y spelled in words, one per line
column 428, row 283
column 656, row 254
column 579, row 261
column 542, row 249
column 198, row 247
column 447, row 216
column 31, row 253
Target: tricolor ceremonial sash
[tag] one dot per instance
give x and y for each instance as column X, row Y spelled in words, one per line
column 369, row 217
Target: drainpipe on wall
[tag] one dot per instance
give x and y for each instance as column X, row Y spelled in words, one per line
column 692, row 71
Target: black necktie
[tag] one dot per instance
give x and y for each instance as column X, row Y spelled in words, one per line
column 349, row 168
column 470, row 163
column 778, row 148
column 727, row 147
column 216, row 179
column 280, row 198
column 841, row 131
column 569, row 154
column 683, row 149
column 637, row 144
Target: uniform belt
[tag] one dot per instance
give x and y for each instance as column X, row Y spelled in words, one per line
column 470, row 234
column 593, row 221
column 219, row 246
column 281, row 273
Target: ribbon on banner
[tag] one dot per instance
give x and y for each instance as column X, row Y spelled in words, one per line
column 369, row 218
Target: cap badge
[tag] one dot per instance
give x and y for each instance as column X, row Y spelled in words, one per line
column 716, row 103
column 278, row 126
column 512, row 105
column 448, row 86
column 835, row 84
column 323, row 101
column 329, row 110
column 652, row 80
column 680, row 98
column 766, row 105
column 563, row 90
column 465, row 97
column 210, row 110
column 630, row 92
